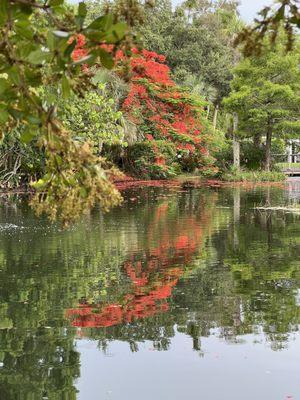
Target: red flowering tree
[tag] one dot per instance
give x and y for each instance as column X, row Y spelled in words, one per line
column 176, row 135
column 165, row 113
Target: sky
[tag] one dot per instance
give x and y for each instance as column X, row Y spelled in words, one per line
column 248, row 8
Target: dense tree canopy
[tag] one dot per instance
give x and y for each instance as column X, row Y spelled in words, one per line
column 197, row 40
column 265, row 94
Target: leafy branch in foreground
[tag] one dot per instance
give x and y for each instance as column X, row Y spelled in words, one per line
column 284, row 14
column 37, row 40
column 75, row 181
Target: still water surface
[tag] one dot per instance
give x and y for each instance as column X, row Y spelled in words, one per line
column 178, row 294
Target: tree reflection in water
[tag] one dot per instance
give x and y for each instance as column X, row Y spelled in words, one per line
column 153, row 272
column 197, row 262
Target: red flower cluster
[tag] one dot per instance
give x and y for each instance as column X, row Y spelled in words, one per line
column 154, row 100
column 80, row 51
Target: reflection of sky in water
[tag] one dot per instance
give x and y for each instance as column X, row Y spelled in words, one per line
column 250, row 371
column 293, row 192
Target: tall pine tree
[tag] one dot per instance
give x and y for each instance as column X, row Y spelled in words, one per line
column 266, row 96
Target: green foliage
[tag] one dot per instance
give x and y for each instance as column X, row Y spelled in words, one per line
column 286, row 165
column 19, row 162
column 37, row 43
column 82, row 182
column 252, row 155
column 234, row 175
column 197, row 40
column 141, row 160
column 93, row 117
column 264, row 89
column 265, row 95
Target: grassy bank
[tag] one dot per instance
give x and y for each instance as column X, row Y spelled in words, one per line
column 252, row 176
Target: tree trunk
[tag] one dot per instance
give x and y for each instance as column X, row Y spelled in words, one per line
column 236, row 216
column 236, row 143
column 257, row 140
column 215, row 117
column 100, row 147
column 289, row 152
column 268, row 146
column 208, row 111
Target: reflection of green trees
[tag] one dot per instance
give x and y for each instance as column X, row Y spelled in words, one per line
column 236, row 272
column 265, row 265
column 45, row 271
column 38, row 363
column 245, row 280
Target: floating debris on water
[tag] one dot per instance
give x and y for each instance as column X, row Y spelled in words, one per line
column 4, row 227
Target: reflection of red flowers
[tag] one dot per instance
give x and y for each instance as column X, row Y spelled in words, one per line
column 152, row 277
column 144, row 302
column 182, row 242
column 109, row 316
column 136, row 305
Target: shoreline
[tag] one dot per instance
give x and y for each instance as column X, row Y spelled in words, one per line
column 190, row 182
column 180, row 182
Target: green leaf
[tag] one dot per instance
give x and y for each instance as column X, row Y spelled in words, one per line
column 280, row 14
column 28, row 134
column 120, row 29
column 104, row 22
column 37, row 57
column 95, row 35
column 21, row 11
column 106, row 58
column 40, row 184
column 24, row 29
column 26, row 49
column 51, row 41
column 3, row 11
column 116, row 33
column 55, row 3
column 4, row 116
column 69, row 50
column 65, row 86
column 14, row 75
column 4, row 84
column 296, row 21
column 82, row 9
column 33, row 77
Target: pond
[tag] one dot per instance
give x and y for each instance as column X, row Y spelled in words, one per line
column 177, row 294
